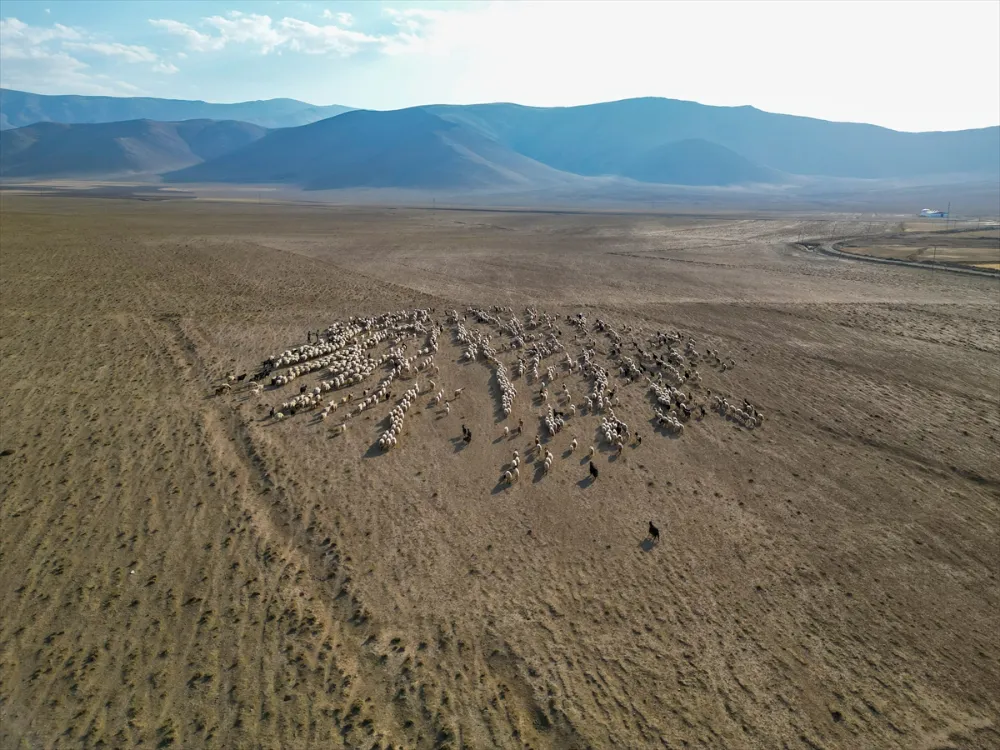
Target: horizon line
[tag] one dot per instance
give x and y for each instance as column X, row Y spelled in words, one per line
column 496, row 103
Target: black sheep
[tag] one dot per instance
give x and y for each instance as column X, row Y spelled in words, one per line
column 593, row 470
column 654, row 532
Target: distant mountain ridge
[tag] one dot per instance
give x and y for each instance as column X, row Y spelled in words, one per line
column 598, row 139
column 502, row 147
column 49, row 149
column 20, row 108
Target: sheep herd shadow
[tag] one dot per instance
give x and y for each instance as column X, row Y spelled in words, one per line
column 539, row 473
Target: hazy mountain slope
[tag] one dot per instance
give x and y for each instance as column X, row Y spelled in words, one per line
column 137, row 146
column 409, row 148
column 19, row 108
column 496, row 145
column 697, row 162
column 606, row 138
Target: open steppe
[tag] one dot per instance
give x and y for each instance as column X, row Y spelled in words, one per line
column 179, row 570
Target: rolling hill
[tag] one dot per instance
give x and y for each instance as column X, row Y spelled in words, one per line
column 51, row 149
column 695, row 161
column 408, row 148
column 19, row 108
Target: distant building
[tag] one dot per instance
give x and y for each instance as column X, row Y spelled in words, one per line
column 933, row 213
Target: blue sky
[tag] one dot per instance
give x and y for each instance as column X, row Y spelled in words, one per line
column 905, row 65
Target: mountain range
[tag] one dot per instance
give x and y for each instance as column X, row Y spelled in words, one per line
column 485, row 147
column 407, row 148
column 20, row 108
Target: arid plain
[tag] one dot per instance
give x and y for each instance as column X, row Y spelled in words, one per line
column 178, row 569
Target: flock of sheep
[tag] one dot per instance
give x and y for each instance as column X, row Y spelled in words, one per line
column 541, row 349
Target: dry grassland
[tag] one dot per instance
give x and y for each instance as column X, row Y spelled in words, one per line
column 178, row 570
column 980, row 248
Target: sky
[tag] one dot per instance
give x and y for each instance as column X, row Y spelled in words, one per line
column 904, row 65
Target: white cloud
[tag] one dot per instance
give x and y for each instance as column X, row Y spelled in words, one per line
column 57, row 73
column 15, row 33
column 344, row 19
column 133, row 53
column 302, row 36
column 247, row 27
column 269, row 36
column 195, row 39
column 130, row 53
column 427, row 31
column 38, row 58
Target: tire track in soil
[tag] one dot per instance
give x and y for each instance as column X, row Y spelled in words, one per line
column 342, row 614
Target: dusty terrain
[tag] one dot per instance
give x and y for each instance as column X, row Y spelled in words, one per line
column 178, row 569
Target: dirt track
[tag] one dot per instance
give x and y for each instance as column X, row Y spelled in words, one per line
column 179, row 569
